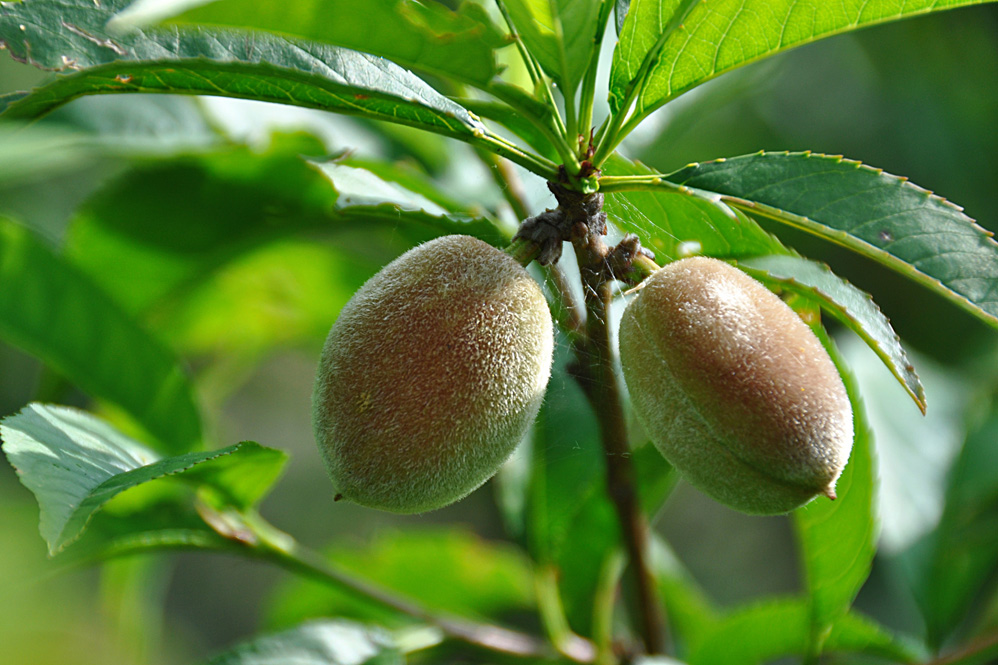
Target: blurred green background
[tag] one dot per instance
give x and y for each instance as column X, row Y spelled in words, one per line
column 917, row 98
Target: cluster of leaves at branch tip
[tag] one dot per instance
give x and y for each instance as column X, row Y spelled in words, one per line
column 431, row 376
column 734, row 388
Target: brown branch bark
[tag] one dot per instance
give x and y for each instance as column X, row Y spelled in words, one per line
column 596, row 374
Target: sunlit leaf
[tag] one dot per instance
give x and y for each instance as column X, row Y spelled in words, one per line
column 780, row 627
column 235, row 200
column 74, row 463
column 559, row 33
column 673, row 224
column 51, row 309
column 693, row 41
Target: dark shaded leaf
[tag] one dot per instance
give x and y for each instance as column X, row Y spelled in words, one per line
column 882, row 216
column 560, row 34
column 72, row 37
column 620, row 8
column 946, row 568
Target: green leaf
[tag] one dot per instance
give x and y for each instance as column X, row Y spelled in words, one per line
column 845, row 302
column 448, row 570
column 692, row 41
column 780, row 627
column 236, row 200
column 882, row 216
column 949, row 565
column 914, row 452
column 316, row 643
column 72, row 37
column 559, row 33
column 838, row 538
column 675, row 224
column 74, row 463
column 52, row 310
column 424, row 36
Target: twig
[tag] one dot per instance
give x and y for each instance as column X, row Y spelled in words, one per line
column 596, row 375
column 299, row 560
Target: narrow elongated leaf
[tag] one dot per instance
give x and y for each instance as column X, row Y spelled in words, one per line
column 693, row 41
column 882, row 216
column 53, row 310
column 838, row 538
column 316, row 643
column 74, row 463
column 779, row 628
column 559, row 33
column 424, row 36
column 72, row 37
column 853, row 307
column 674, row 224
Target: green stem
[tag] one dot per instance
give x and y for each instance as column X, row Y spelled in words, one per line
column 553, row 617
column 535, row 163
column 603, row 604
column 522, row 104
column 624, row 183
column 523, row 251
